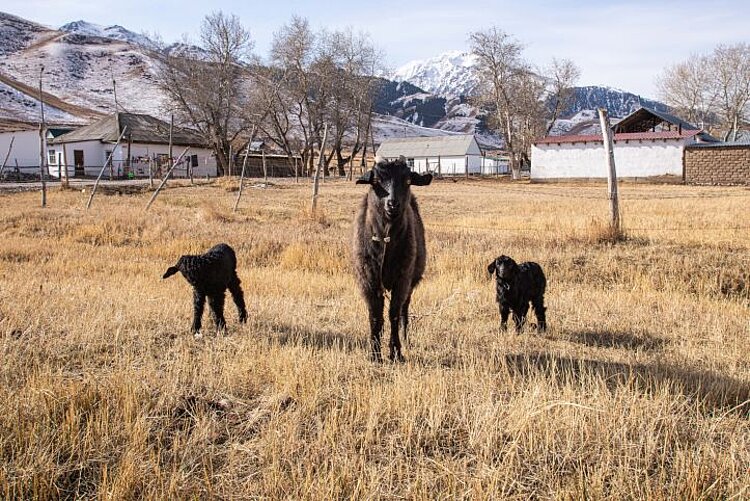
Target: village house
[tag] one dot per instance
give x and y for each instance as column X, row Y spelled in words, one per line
column 144, row 147
column 24, row 154
column 647, row 143
column 447, row 155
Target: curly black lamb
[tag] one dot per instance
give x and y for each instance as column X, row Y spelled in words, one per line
column 517, row 285
column 211, row 274
column 388, row 248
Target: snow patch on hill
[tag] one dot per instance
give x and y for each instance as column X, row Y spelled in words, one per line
column 448, row 75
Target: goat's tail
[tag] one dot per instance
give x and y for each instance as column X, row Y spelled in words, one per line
column 170, row 271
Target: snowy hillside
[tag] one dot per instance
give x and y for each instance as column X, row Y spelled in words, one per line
column 446, row 75
column 112, row 32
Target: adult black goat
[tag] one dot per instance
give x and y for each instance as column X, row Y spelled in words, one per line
column 389, row 248
column 211, row 274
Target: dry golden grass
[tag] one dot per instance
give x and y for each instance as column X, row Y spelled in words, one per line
column 638, row 391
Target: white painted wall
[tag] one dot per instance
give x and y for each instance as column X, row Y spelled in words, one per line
column 95, row 155
column 635, row 158
column 492, row 166
column 453, row 165
column 25, row 150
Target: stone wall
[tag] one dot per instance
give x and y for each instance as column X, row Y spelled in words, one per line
column 725, row 164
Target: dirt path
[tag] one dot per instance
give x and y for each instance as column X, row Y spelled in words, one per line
column 49, row 99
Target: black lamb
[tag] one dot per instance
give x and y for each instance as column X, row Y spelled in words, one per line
column 517, row 285
column 389, row 248
column 211, row 274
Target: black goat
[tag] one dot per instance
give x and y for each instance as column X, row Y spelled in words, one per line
column 211, row 274
column 389, row 248
column 517, row 285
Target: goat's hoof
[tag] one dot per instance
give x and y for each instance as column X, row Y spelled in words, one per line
column 397, row 358
column 198, row 335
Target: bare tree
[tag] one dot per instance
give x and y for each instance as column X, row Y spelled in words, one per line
column 562, row 76
column 499, row 69
column 687, row 88
column 713, row 89
column 208, row 88
column 328, row 79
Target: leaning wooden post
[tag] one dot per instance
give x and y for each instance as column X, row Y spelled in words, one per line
column 242, row 177
column 316, row 181
column 101, row 172
column 7, row 155
column 614, row 208
column 164, row 181
column 42, row 142
column 265, row 167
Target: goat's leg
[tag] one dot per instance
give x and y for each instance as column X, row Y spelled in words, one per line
column 504, row 313
column 405, row 319
column 199, row 302
column 394, row 315
column 238, row 297
column 540, row 312
column 375, row 310
column 519, row 317
column 216, row 303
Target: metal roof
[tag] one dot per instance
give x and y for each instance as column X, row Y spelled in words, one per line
column 733, row 144
column 622, row 136
column 432, row 147
column 141, row 129
column 644, row 119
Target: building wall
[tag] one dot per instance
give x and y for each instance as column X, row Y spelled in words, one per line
column 453, row 165
column 25, row 150
column 95, row 155
column 587, row 160
column 718, row 165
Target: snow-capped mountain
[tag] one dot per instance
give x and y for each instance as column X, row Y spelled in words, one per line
column 114, row 32
column 448, row 75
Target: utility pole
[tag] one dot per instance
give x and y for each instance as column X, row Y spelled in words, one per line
column 614, row 208
column 42, row 141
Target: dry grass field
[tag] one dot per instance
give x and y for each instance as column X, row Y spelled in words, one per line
column 639, row 390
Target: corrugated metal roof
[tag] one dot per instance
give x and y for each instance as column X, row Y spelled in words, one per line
column 622, row 136
column 734, row 144
column 141, row 129
column 416, row 147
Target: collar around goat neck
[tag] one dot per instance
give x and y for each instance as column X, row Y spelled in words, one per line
column 385, row 237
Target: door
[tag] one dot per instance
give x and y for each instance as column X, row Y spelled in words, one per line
column 78, row 162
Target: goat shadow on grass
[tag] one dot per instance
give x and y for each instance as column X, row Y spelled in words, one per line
column 714, row 392
column 288, row 335
column 617, row 339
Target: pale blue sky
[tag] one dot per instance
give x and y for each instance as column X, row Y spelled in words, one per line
column 622, row 44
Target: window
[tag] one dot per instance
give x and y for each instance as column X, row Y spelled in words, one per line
column 194, row 161
column 51, row 157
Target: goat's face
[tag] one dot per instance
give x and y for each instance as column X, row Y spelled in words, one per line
column 504, row 267
column 391, row 181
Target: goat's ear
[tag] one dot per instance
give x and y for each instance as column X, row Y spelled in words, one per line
column 170, row 271
column 366, row 178
column 420, row 179
column 491, row 267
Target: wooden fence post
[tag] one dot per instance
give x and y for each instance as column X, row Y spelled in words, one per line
column 101, row 172
column 614, row 208
column 164, row 181
column 316, row 181
column 242, row 177
column 7, row 155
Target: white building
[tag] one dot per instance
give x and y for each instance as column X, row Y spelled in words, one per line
column 144, row 146
column 646, row 143
column 24, row 155
column 447, row 155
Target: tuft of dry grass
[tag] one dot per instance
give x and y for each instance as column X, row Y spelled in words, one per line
column 640, row 389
